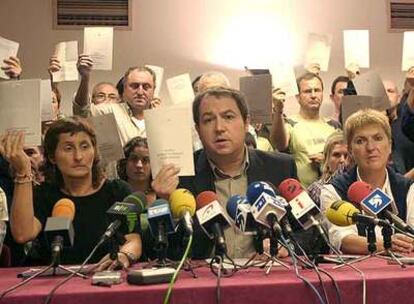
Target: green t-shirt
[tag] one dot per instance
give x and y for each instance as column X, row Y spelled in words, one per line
column 307, row 137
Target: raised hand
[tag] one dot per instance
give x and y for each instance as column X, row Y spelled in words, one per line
column 13, row 67
column 84, row 65
column 166, row 181
column 278, row 100
column 11, row 147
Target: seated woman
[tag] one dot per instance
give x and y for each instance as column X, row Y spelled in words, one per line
column 71, row 171
column 368, row 135
column 135, row 168
column 335, row 160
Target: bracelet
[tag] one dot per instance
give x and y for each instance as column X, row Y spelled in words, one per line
column 23, row 179
column 132, row 258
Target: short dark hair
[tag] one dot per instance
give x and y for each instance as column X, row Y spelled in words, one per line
column 128, row 149
column 70, row 125
column 308, row 76
column 336, row 80
column 220, row 92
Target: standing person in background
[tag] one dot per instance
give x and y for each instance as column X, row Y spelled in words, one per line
column 304, row 134
column 402, row 148
column 338, row 87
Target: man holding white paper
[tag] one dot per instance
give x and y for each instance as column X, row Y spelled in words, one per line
column 139, row 85
column 305, row 133
column 225, row 165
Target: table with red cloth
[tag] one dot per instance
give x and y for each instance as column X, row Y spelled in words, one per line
column 385, row 284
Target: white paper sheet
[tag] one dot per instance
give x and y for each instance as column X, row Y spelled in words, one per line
column 20, row 108
column 283, row 77
column 98, row 43
column 356, row 48
column 107, row 137
column 4, row 215
column 7, row 48
column 159, row 74
column 258, row 92
column 318, row 50
column 169, row 138
column 46, row 100
column 67, row 53
column 408, row 51
column 180, row 89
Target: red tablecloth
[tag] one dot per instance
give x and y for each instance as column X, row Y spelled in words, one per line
column 385, row 284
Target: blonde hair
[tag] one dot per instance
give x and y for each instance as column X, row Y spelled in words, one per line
column 336, row 138
column 364, row 118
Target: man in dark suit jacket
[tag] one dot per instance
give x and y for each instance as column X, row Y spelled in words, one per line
column 225, row 165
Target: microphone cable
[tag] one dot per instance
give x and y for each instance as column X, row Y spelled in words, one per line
column 298, row 275
column 364, row 281
column 180, row 265
column 317, row 269
column 52, row 292
column 24, row 282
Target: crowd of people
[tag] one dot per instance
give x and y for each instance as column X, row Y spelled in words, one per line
column 229, row 154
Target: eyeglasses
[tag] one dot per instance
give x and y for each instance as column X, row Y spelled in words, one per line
column 103, row 96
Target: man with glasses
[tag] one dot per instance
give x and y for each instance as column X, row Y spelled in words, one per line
column 137, row 95
column 304, row 134
column 105, row 92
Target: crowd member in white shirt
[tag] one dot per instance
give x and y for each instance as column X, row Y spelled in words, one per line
column 368, row 135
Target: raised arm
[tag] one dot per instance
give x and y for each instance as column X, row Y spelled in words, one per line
column 24, row 225
column 84, row 65
column 279, row 135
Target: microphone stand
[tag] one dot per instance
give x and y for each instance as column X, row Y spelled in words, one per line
column 372, row 246
column 386, row 234
column 275, row 235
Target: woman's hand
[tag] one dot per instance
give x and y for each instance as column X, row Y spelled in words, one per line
column 106, row 263
column 11, row 147
column 402, row 243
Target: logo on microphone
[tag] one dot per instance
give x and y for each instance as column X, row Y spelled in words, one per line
column 376, row 202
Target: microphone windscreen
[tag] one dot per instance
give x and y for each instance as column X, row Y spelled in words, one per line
column 290, row 188
column 137, row 198
column 205, row 198
column 358, row 191
column 255, row 189
column 182, row 200
column 64, row 208
column 340, row 213
column 233, row 203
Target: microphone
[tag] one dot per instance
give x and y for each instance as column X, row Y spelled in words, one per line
column 183, row 205
column 267, row 209
column 304, row 210
column 376, row 203
column 111, row 231
column 212, row 219
column 239, row 211
column 140, row 200
column 342, row 213
column 161, row 222
column 59, row 230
